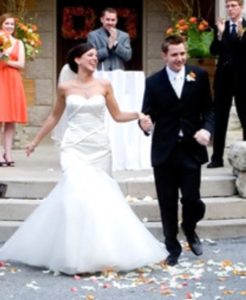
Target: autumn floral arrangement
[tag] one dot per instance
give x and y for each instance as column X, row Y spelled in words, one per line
column 86, row 17
column 27, row 32
column 195, row 29
column 69, row 31
column 129, row 18
column 5, row 43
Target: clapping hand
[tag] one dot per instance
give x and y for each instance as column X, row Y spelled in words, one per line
column 221, row 25
column 112, row 38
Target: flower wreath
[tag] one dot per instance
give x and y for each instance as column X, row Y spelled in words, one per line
column 68, row 30
column 130, row 21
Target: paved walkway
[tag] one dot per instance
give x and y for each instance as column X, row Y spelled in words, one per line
column 219, row 274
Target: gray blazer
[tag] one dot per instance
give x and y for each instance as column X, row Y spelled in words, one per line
column 111, row 59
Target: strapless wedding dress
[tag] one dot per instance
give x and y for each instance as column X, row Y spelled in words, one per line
column 85, row 223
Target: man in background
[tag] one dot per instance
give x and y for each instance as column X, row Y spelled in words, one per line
column 113, row 45
column 230, row 78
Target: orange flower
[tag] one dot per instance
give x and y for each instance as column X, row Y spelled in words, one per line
column 184, row 28
column 169, row 31
column 182, row 22
column 193, row 20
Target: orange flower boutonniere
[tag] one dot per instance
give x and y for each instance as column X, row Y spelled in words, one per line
column 191, row 76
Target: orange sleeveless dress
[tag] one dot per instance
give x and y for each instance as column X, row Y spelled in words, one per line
column 12, row 94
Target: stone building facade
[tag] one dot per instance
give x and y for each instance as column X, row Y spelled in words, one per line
column 42, row 72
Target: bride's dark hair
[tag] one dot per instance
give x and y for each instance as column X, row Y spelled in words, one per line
column 77, row 51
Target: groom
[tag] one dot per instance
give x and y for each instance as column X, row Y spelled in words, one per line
column 178, row 101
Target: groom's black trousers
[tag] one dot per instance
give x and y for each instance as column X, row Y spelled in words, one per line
column 180, row 173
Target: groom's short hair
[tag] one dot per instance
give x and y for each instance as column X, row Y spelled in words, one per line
column 172, row 40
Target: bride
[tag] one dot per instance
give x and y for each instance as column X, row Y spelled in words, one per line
column 84, row 224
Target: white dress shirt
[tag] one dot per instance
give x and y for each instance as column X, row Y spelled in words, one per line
column 177, row 80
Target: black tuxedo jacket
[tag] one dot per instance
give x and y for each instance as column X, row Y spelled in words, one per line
column 193, row 111
column 231, row 67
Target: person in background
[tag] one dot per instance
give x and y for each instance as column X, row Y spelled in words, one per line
column 113, row 45
column 12, row 95
column 229, row 45
column 178, row 101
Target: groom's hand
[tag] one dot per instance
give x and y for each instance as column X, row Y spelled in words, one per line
column 202, row 136
column 146, row 123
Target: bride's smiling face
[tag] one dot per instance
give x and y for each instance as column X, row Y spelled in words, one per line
column 88, row 60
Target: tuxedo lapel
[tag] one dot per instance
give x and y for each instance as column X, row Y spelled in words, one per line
column 187, row 84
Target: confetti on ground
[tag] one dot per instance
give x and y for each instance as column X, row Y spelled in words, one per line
column 189, row 278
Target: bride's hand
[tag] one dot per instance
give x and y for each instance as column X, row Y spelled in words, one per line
column 30, row 148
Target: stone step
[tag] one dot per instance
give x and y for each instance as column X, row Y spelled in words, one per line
column 213, row 229
column 220, row 185
column 216, row 208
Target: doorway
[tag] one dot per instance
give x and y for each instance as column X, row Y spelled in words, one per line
column 76, row 19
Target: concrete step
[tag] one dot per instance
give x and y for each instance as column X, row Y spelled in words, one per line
column 219, row 185
column 212, row 229
column 225, row 217
column 216, row 208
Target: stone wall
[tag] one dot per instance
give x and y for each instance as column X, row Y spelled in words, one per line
column 155, row 23
column 41, row 72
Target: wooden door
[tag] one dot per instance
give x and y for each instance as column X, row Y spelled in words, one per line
column 76, row 18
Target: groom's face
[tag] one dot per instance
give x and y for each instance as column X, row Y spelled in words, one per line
column 175, row 57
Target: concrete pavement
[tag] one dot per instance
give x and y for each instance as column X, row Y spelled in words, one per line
column 219, row 274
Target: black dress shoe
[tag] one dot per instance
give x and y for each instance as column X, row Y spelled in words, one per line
column 195, row 244
column 172, row 260
column 193, row 241
column 215, row 164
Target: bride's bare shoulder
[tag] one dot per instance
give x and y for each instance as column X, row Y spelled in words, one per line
column 105, row 83
column 65, row 85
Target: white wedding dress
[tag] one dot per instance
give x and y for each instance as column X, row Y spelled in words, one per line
column 85, row 223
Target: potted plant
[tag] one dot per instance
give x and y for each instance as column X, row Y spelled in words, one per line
column 197, row 34
column 188, row 22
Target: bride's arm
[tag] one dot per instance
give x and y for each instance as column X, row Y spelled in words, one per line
column 50, row 122
column 113, row 107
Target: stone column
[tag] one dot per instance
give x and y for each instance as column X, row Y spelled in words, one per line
column 237, row 158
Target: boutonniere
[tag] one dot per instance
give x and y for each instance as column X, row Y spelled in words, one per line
column 191, row 76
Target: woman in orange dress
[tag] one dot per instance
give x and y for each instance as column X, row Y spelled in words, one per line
column 12, row 94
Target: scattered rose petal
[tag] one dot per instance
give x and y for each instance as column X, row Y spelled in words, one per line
column 73, row 289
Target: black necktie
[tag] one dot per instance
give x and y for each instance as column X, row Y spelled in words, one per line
column 233, row 31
